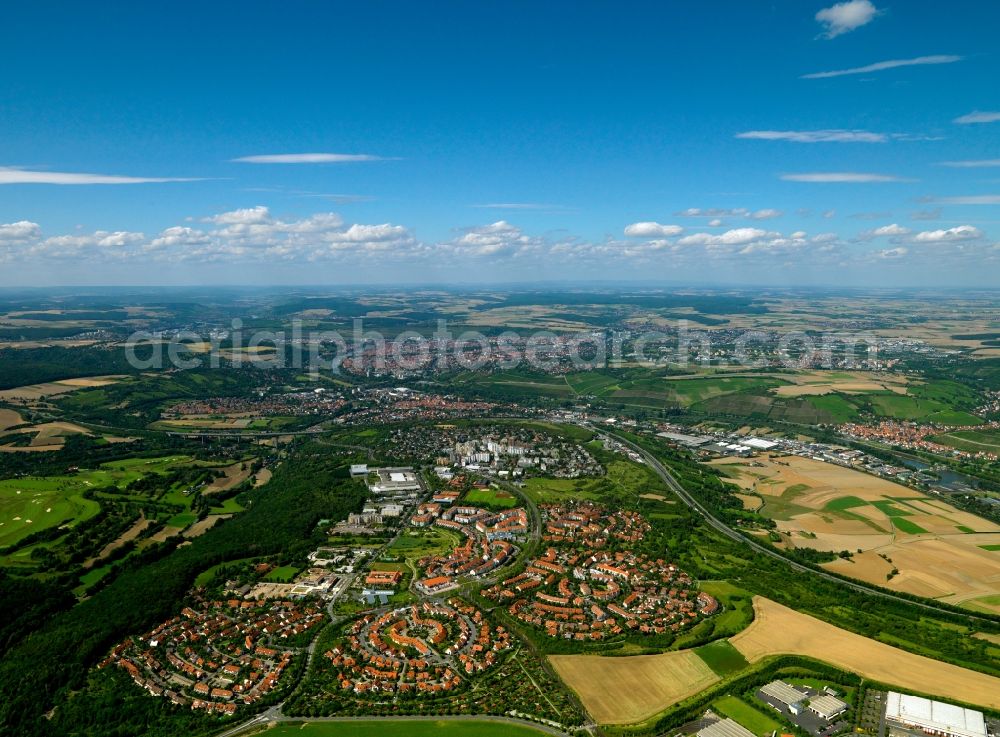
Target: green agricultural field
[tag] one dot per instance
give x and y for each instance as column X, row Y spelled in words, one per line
column 889, row 509
column 800, row 410
column 691, row 391
column 910, row 528
column 922, row 405
column 843, row 503
column 404, row 728
column 753, row 719
column 784, row 507
column 591, row 382
column 722, row 658
column 835, row 406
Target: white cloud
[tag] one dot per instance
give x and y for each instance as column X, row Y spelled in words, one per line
column 244, row 216
column 842, row 177
column 845, row 17
column 734, row 237
column 883, row 65
column 893, row 253
column 736, row 212
column 13, row 175
column 313, row 158
column 886, row 231
column 715, row 222
column 493, row 240
column 22, row 230
column 178, row 236
column 977, row 116
column 982, row 199
column 958, row 233
column 832, row 135
column 652, row 230
column 100, row 244
column 972, row 164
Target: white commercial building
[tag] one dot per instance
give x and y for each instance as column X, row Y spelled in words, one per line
column 760, row 443
column 725, row 728
column 933, row 717
column 782, row 692
column 828, row 707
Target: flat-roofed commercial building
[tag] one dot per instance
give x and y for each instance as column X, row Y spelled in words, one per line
column 394, row 481
column 725, row 728
column 933, row 717
column 828, row 707
column 781, row 691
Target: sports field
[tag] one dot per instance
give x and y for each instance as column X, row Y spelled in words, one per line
column 495, row 498
column 778, row 630
column 626, row 690
column 405, row 728
column 936, row 550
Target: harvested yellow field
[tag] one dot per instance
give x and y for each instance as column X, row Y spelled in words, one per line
column 202, row 526
column 262, row 477
column 778, row 630
column 207, row 423
column 35, row 392
column 48, row 436
column 89, row 382
column 814, row 383
column 235, row 475
column 630, row 689
column 9, row 418
column 936, row 548
column 953, row 568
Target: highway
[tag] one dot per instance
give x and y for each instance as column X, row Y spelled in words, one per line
column 729, row 532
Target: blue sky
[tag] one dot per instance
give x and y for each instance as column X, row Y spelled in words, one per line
column 500, row 141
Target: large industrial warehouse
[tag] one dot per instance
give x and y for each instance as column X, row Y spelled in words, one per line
column 933, row 717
